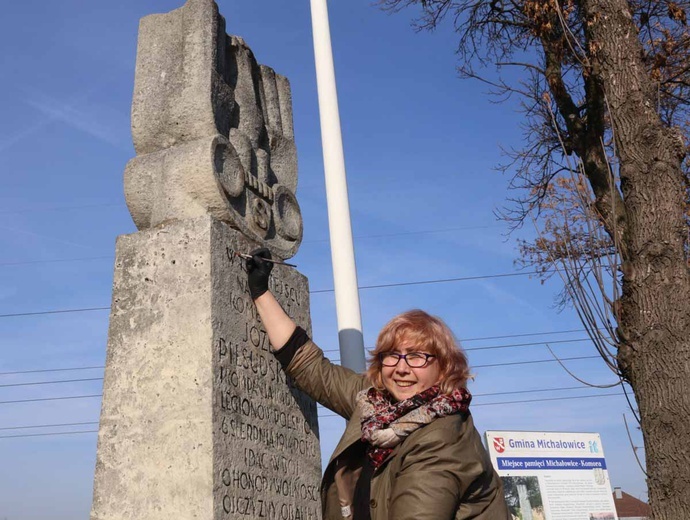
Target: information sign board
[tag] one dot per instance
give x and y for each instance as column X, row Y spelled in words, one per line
column 552, row 475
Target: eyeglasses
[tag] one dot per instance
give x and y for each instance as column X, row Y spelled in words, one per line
column 413, row 359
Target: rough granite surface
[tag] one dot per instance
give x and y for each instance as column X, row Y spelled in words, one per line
column 198, row 419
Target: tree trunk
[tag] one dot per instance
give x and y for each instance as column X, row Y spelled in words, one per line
column 654, row 319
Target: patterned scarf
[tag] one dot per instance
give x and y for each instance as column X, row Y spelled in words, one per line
column 386, row 423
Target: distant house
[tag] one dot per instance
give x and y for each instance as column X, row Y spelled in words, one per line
column 630, row 508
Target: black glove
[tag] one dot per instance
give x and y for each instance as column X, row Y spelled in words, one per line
column 258, row 271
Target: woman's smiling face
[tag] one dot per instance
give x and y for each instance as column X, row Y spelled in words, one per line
column 403, row 381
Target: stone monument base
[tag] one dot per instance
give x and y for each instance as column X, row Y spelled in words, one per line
column 198, row 420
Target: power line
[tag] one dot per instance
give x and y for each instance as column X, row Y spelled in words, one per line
column 50, row 370
column 61, row 208
column 28, row 262
column 111, row 257
column 327, row 415
column 550, row 399
column 520, row 401
column 44, row 434
column 52, row 382
column 521, row 335
column 35, row 383
column 535, row 361
column 512, row 345
column 539, row 390
column 512, row 392
column 407, row 233
column 50, row 399
column 17, row 372
column 320, row 291
column 427, row 282
column 575, row 358
column 47, row 425
column 57, row 311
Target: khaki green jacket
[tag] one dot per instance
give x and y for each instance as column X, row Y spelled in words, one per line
column 440, row 472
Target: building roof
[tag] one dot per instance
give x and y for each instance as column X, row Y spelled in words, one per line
column 630, row 507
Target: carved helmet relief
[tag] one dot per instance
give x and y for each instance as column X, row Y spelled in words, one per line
column 212, row 130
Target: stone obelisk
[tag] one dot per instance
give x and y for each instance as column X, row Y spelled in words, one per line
column 198, row 420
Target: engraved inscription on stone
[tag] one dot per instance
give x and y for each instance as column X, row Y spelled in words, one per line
column 267, row 427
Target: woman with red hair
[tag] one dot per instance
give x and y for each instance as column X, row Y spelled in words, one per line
column 410, row 450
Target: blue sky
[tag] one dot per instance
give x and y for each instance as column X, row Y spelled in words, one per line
column 421, row 147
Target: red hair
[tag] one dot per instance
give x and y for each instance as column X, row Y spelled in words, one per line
column 428, row 334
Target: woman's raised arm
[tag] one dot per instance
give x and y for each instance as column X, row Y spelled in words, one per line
column 278, row 324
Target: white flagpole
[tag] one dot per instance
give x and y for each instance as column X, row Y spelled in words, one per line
column 342, row 248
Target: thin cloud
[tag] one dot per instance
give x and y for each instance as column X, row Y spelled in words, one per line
column 43, row 237
column 79, row 115
column 9, row 141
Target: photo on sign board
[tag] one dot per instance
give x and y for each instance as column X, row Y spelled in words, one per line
column 523, row 497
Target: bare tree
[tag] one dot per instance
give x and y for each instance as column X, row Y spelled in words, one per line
column 604, row 92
